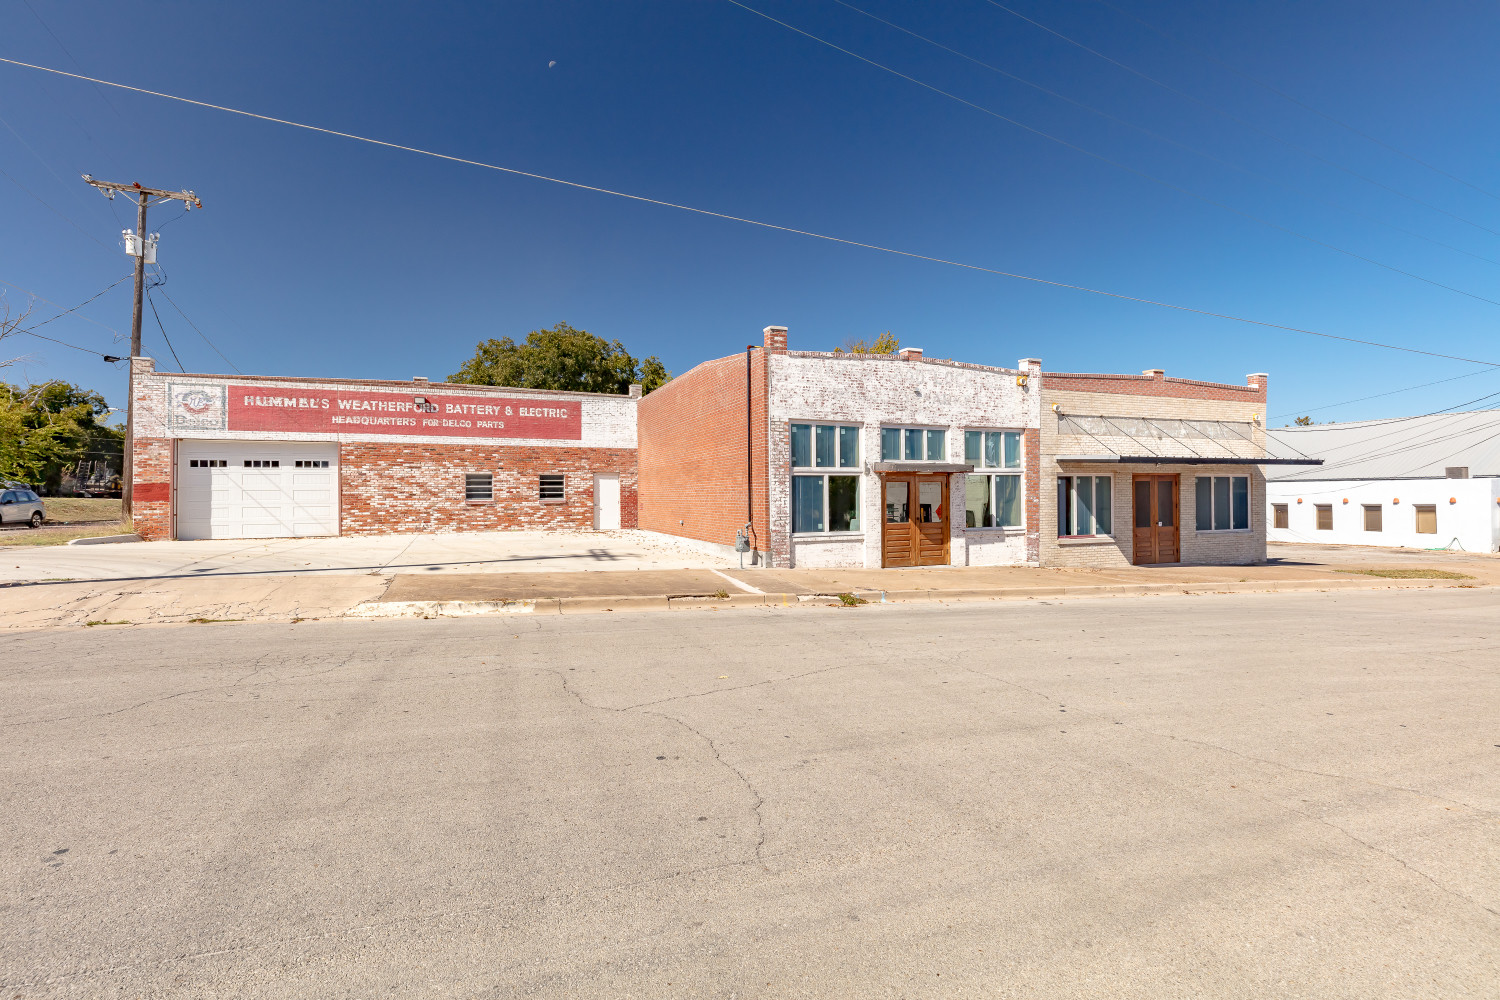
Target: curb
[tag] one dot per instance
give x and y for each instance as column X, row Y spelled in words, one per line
column 595, row 605
column 105, row 540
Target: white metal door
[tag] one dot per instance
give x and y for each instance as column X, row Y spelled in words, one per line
column 606, row 502
column 257, row 489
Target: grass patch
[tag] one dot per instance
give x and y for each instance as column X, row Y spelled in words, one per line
column 1409, row 574
column 92, row 624
column 850, row 601
column 721, row 594
column 73, row 510
column 210, row 621
column 48, row 535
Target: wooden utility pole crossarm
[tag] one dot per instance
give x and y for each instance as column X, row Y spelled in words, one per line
column 143, row 197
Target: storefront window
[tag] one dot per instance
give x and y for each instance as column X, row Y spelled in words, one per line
column 823, row 503
column 1084, row 505
column 1223, row 503
column 993, row 501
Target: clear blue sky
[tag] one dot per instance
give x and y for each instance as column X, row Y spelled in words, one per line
column 321, row 256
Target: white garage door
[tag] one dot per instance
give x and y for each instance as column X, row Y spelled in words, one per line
column 257, row 489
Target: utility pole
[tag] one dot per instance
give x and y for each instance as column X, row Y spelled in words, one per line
column 144, row 251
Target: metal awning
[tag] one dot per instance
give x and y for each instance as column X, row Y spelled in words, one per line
column 1184, row 460
column 934, row 467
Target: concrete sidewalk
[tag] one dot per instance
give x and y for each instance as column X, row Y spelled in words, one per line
column 284, row 597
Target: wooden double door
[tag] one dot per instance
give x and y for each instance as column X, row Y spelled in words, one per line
column 1156, row 535
column 915, row 529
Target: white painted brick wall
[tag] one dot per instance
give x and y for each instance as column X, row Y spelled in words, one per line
column 607, row 421
column 875, row 391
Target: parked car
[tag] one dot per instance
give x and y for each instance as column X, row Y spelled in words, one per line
column 22, row 507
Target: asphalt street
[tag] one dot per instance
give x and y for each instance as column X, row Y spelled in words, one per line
column 1199, row 796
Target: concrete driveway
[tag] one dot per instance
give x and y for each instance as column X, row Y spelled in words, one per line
column 1217, row 796
column 473, row 552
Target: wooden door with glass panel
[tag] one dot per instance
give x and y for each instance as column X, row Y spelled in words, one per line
column 916, row 521
column 1157, row 537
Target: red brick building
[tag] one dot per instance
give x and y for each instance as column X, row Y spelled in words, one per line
column 217, row 456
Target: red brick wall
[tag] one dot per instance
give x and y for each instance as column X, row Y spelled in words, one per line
column 1149, row 385
column 391, row 488
column 691, row 435
column 1031, row 449
column 151, row 500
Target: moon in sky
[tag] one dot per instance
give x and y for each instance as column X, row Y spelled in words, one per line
column 551, row 63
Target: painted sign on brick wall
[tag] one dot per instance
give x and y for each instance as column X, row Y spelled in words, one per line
column 304, row 410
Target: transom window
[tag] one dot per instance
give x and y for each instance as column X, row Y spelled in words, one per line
column 550, row 487
column 993, row 449
column 825, row 446
column 1223, row 503
column 913, row 444
column 479, row 486
column 1084, row 505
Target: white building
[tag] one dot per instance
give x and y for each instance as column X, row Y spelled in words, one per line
column 1424, row 482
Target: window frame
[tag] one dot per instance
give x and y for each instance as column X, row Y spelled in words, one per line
column 541, row 487
column 925, row 430
column 991, row 478
column 838, row 447
column 1213, row 504
column 1072, row 507
column 1417, row 511
column 469, row 487
column 1281, row 517
column 1318, row 509
column 1379, row 511
column 838, row 470
column 1004, row 434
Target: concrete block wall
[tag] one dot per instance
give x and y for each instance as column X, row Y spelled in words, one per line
column 1468, row 512
column 1151, row 395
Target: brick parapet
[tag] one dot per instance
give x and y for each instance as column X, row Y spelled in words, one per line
column 1152, row 385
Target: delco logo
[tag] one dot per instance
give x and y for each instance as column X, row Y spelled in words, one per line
column 196, row 407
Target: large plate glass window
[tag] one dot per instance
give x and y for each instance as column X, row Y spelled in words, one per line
column 1223, row 503
column 913, row 444
column 1085, row 505
column 823, row 501
column 993, row 500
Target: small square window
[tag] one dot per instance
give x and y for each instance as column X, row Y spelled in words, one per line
column 551, row 487
column 479, row 486
column 1279, row 510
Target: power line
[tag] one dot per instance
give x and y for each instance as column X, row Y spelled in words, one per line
column 1168, row 139
column 79, row 306
column 1235, row 118
column 756, row 222
column 1380, row 395
column 1301, row 104
column 200, row 333
column 163, row 330
column 1115, row 163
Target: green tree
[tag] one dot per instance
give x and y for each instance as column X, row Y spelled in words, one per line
column 886, row 343
column 45, row 430
column 561, row 358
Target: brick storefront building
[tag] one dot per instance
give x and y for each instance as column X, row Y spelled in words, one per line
column 813, row 459
column 229, row 457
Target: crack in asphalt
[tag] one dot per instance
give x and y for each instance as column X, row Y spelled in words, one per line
column 759, row 800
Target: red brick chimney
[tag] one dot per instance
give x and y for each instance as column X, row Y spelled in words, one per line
column 776, row 339
column 1160, row 374
column 1260, row 380
column 910, row 354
